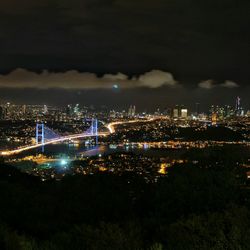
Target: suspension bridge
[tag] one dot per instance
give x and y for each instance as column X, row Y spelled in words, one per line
column 46, row 136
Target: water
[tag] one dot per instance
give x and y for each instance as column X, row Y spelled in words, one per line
column 57, row 153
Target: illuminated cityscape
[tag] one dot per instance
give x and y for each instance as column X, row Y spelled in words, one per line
column 25, row 128
column 124, row 125
column 56, row 143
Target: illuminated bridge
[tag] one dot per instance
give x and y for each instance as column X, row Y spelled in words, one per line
column 46, row 136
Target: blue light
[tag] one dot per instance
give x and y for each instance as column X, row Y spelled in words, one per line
column 63, row 162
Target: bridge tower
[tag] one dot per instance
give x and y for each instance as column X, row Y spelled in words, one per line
column 40, row 134
column 94, row 129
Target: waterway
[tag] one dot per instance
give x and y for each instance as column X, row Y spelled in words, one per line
column 58, row 154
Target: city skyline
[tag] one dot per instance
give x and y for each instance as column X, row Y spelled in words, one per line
column 121, row 99
column 194, row 108
column 124, row 124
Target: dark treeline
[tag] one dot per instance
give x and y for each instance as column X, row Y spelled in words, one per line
column 195, row 206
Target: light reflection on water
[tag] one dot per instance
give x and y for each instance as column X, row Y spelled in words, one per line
column 69, row 152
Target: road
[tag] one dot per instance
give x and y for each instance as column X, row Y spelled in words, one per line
column 111, row 126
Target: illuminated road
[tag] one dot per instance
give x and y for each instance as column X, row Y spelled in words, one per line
column 110, row 126
column 61, row 139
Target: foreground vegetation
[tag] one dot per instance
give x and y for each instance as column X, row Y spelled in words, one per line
column 195, row 206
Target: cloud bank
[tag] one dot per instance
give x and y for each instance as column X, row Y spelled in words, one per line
column 211, row 84
column 22, row 78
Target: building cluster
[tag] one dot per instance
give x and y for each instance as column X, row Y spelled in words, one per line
column 216, row 113
column 9, row 111
column 180, row 112
column 71, row 112
column 131, row 113
column 47, row 168
column 220, row 113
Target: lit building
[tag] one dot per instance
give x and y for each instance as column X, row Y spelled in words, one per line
column 176, row 112
column 24, row 109
column 219, row 111
column 237, row 105
column 184, row 113
column 45, row 109
column 238, row 109
column 180, row 112
column 131, row 111
column 214, row 119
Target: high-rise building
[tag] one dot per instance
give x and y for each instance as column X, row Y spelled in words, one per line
column 238, row 108
column 176, row 112
column 184, row 113
column 24, row 109
column 179, row 112
column 134, row 110
column 45, row 109
column 131, row 111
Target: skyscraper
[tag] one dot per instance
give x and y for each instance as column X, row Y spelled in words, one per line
column 131, row 111
column 176, row 111
column 238, row 109
column 24, row 109
column 237, row 106
column 184, row 113
column 45, row 109
column 180, row 112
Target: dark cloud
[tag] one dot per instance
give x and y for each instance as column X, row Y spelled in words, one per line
column 211, row 84
column 187, row 37
column 192, row 39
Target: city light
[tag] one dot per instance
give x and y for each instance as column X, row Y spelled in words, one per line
column 110, row 127
column 63, row 162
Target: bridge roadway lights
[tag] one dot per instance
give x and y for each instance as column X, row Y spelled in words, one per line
column 40, row 132
column 40, row 128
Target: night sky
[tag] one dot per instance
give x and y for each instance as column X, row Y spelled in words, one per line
column 158, row 53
